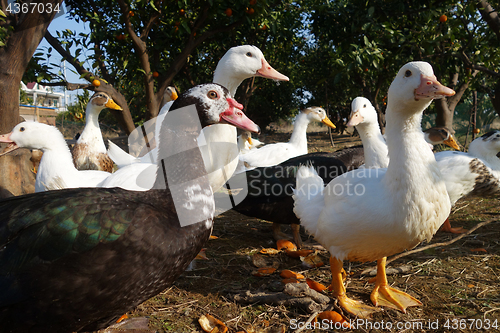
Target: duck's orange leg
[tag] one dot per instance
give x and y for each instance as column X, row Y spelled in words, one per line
column 446, row 227
column 384, row 295
column 337, row 286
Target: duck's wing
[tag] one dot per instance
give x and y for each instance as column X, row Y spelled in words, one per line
column 119, row 156
column 44, row 227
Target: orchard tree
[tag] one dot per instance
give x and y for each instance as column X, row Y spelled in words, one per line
column 140, row 47
column 358, row 47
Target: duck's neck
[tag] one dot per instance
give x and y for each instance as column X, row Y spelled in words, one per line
column 410, row 159
column 56, row 159
column 181, row 170
column 92, row 133
column 374, row 146
column 299, row 134
column 230, row 82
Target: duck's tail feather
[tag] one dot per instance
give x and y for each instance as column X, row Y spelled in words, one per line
column 119, row 156
column 308, row 198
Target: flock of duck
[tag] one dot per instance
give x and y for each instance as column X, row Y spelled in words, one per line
column 92, row 244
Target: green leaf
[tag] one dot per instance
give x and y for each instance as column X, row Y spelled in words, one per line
column 152, row 4
column 371, row 10
column 186, row 27
column 2, row 13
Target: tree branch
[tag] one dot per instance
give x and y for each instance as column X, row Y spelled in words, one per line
column 97, row 45
column 142, row 52
column 468, row 63
column 190, row 45
column 124, row 117
column 149, row 24
column 54, row 42
column 68, row 85
column 490, row 16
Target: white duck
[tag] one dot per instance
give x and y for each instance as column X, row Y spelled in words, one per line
column 169, row 96
column 89, row 152
column 364, row 117
column 56, row 170
column 275, row 153
column 238, row 64
column 476, row 172
column 246, row 142
column 368, row 214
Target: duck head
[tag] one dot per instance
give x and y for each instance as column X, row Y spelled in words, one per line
column 32, row 135
column 362, row 111
column 243, row 62
column 214, row 104
column 437, row 135
column 101, row 100
column 416, row 79
column 318, row 114
column 170, row 94
column 486, row 145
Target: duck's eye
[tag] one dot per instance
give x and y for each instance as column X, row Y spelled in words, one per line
column 364, row 106
column 249, row 54
column 408, row 73
column 22, row 129
column 212, row 94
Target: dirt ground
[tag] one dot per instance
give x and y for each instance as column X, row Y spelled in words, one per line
column 458, row 284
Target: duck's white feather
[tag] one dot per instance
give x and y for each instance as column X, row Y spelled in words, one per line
column 364, row 117
column 476, row 171
column 372, row 213
column 56, row 169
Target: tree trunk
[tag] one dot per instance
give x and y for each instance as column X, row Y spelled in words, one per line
column 495, row 98
column 444, row 115
column 445, row 107
column 14, row 59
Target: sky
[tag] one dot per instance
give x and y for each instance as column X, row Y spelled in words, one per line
column 62, row 22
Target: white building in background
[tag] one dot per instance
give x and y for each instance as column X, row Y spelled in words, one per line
column 44, row 104
column 44, row 96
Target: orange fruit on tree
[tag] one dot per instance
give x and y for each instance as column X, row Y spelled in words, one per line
column 253, row 2
column 264, row 27
column 155, row 74
column 443, row 18
column 96, row 83
column 182, row 11
column 228, row 12
column 250, row 11
column 477, row 131
column 131, row 14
